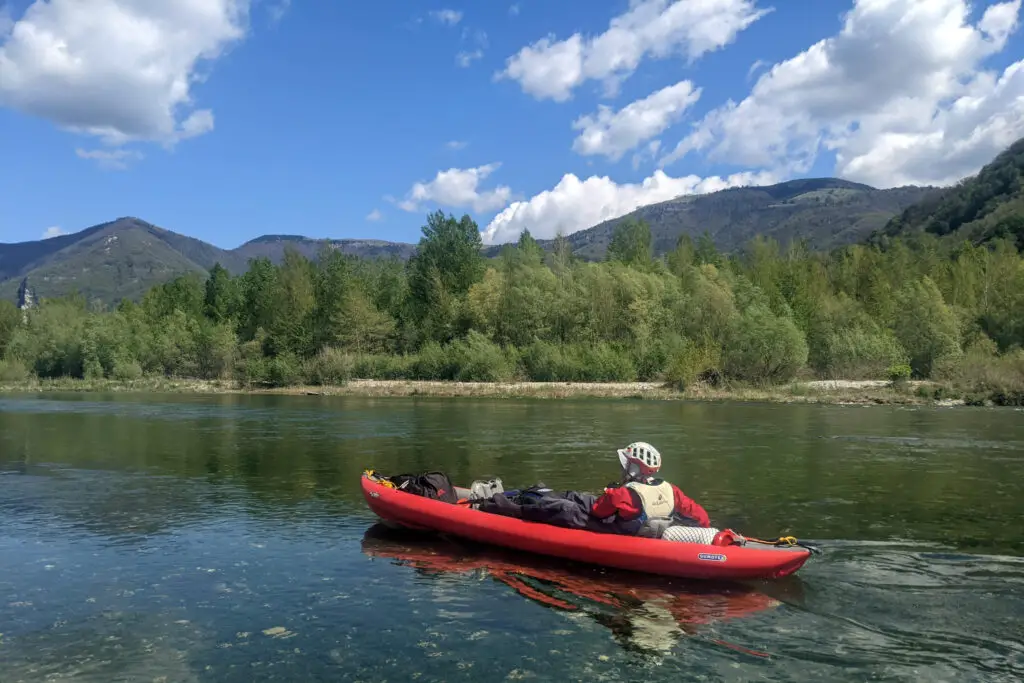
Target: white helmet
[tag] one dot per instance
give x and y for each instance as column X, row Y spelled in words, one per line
column 645, row 456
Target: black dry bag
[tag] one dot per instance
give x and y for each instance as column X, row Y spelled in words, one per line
column 434, row 485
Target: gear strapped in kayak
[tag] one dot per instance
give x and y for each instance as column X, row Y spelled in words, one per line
column 540, row 520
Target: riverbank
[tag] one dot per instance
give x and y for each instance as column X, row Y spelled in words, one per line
column 849, row 392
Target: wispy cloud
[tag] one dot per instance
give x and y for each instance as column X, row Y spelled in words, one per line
column 476, row 35
column 464, row 59
column 375, row 216
column 755, row 67
column 278, row 9
column 456, row 144
column 447, row 16
column 112, row 159
column 53, row 231
column 479, row 38
column 513, row 10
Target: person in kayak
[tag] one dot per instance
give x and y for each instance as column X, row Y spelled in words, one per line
column 641, row 504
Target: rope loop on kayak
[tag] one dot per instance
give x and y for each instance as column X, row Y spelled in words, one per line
column 787, row 541
column 780, row 541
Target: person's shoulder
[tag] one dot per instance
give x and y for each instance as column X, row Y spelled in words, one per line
column 678, row 490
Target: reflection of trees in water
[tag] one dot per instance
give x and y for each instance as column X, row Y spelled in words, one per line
column 827, row 471
column 646, row 614
column 128, row 473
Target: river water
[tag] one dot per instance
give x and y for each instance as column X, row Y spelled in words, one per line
column 224, row 538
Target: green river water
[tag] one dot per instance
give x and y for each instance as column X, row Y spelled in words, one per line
column 225, row 538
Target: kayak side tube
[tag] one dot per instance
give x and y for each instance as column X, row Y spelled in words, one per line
column 633, row 553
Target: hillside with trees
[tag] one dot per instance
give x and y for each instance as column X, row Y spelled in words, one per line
column 763, row 315
column 822, row 212
column 915, row 302
column 126, row 257
column 986, row 207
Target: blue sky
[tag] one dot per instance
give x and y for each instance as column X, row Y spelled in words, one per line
column 239, row 118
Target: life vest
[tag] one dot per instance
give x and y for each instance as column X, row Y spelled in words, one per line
column 658, row 501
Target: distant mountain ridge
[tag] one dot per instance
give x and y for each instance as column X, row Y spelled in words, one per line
column 125, row 257
column 827, row 212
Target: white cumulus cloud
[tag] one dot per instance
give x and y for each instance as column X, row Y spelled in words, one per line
column 118, row 69
column 375, row 216
column 899, row 94
column 575, row 204
column 458, row 188
column 552, row 69
column 53, row 231
column 613, row 133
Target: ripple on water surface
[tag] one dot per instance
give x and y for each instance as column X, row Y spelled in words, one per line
column 223, row 539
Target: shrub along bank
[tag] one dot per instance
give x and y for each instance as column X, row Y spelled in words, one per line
column 920, row 309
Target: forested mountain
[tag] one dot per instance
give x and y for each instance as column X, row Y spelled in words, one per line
column 126, row 257
column 826, row 212
column 916, row 301
column 761, row 315
column 982, row 208
column 273, row 247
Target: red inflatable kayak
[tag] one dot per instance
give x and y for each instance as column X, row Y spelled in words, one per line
column 654, row 556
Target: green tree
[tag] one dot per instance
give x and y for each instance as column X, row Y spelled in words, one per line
column 530, row 251
column 707, row 252
column 258, row 287
column 221, row 301
column 683, row 256
column 446, row 264
column 216, row 350
column 764, row 347
column 631, row 243
column 10, row 320
column 360, row 326
column 334, row 278
column 926, row 327
column 51, row 343
column 175, row 351
column 291, row 323
column 562, row 258
column 185, row 293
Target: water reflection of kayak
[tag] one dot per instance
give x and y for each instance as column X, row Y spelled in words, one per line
column 752, row 560
column 646, row 613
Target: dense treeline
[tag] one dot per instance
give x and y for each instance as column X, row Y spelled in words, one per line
column 981, row 208
column 926, row 308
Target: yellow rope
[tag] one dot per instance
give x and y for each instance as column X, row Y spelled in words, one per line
column 370, row 474
column 782, row 540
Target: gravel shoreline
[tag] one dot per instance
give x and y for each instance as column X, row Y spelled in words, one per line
column 844, row 392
